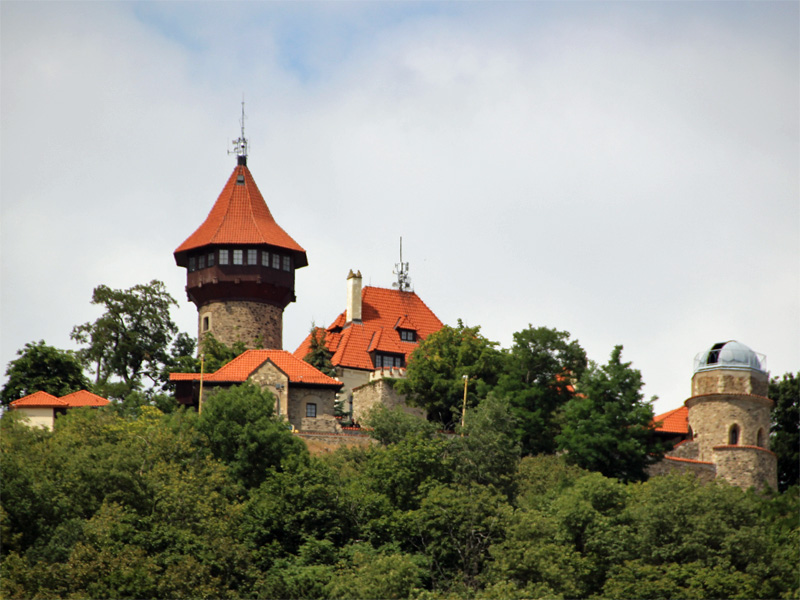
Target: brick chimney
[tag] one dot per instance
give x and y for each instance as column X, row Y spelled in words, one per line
column 354, row 297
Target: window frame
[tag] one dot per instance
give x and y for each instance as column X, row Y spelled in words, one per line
column 311, row 407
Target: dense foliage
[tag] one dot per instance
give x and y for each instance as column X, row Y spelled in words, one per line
column 318, row 354
column 174, row 505
column 42, row 368
column 785, row 441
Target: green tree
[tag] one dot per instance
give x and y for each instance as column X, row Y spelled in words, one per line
column 607, row 424
column 42, row 368
column 216, row 354
column 392, row 425
column 785, row 438
column 318, row 354
column 131, row 338
column 242, row 431
column 437, row 368
column 537, row 381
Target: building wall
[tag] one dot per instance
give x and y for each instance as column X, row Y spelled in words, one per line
column 730, row 381
column 299, row 397
column 271, row 378
column 380, row 391
column 705, row 472
column 252, row 323
column 711, row 418
column 747, row 466
column 38, row 416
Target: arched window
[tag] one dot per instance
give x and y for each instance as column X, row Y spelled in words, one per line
column 691, row 434
column 760, row 439
column 733, row 435
column 205, row 323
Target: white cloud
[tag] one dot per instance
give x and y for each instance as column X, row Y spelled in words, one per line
column 629, row 175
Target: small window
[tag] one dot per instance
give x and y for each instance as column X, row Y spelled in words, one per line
column 211, row 259
column 205, row 323
column 408, row 335
column 191, row 263
column 733, row 435
column 264, row 258
column 760, row 439
column 238, row 256
column 223, row 257
column 252, row 256
column 201, row 262
column 388, row 360
column 287, row 263
column 311, row 410
column 240, row 179
column 276, row 261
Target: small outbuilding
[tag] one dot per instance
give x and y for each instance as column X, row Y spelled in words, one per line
column 41, row 408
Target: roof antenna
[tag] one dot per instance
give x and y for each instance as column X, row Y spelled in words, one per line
column 403, row 282
column 240, row 144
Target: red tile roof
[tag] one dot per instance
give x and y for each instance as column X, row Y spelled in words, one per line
column 240, row 216
column 674, row 421
column 383, row 312
column 240, row 368
column 73, row 400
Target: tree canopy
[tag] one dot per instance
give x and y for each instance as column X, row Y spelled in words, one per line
column 42, row 368
column 537, row 381
column 318, row 354
column 438, row 366
column 785, row 442
column 131, row 339
column 607, row 424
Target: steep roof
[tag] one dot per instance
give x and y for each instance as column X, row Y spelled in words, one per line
column 383, row 312
column 73, row 400
column 240, row 216
column 243, row 366
column 674, row 421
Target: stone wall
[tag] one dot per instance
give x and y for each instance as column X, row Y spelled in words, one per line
column 326, row 443
column 705, row 472
column 271, row 378
column 712, row 416
column 377, row 392
column 747, row 466
column 242, row 321
column 300, row 397
column 730, row 381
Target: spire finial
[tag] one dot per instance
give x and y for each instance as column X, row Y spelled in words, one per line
column 240, row 144
column 403, row 282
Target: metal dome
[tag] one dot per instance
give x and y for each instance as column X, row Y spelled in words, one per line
column 730, row 355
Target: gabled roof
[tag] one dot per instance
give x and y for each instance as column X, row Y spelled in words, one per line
column 674, row 421
column 73, row 400
column 243, row 366
column 383, row 312
column 240, row 216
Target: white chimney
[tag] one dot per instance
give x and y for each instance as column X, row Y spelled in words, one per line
column 354, row 296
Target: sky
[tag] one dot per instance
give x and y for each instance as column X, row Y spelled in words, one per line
column 624, row 171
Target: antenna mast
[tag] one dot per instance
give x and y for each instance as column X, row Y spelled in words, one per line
column 403, row 282
column 240, row 144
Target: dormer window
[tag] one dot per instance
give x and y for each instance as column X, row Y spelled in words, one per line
column 408, row 335
column 240, row 179
column 388, row 360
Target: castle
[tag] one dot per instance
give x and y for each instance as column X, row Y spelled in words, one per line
column 723, row 428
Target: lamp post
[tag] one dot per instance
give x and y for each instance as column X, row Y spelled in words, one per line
column 464, row 405
column 200, row 396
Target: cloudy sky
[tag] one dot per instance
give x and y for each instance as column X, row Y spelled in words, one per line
column 625, row 171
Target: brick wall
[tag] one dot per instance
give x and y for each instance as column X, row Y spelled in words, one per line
column 747, row 466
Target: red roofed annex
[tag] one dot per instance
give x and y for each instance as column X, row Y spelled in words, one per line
column 41, row 408
column 373, row 338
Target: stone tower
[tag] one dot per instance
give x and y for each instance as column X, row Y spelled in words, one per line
column 729, row 414
column 240, row 265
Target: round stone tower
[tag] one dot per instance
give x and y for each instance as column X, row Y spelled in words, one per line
column 729, row 414
column 240, row 265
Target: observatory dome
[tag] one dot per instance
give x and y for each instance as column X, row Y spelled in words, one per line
column 730, row 355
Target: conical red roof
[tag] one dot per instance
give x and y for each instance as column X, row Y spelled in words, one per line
column 240, row 216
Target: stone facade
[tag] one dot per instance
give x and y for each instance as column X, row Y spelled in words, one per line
column 380, row 391
column 712, row 416
column 730, row 381
column 255, row 324
column 747, row 466
column 705, row 472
